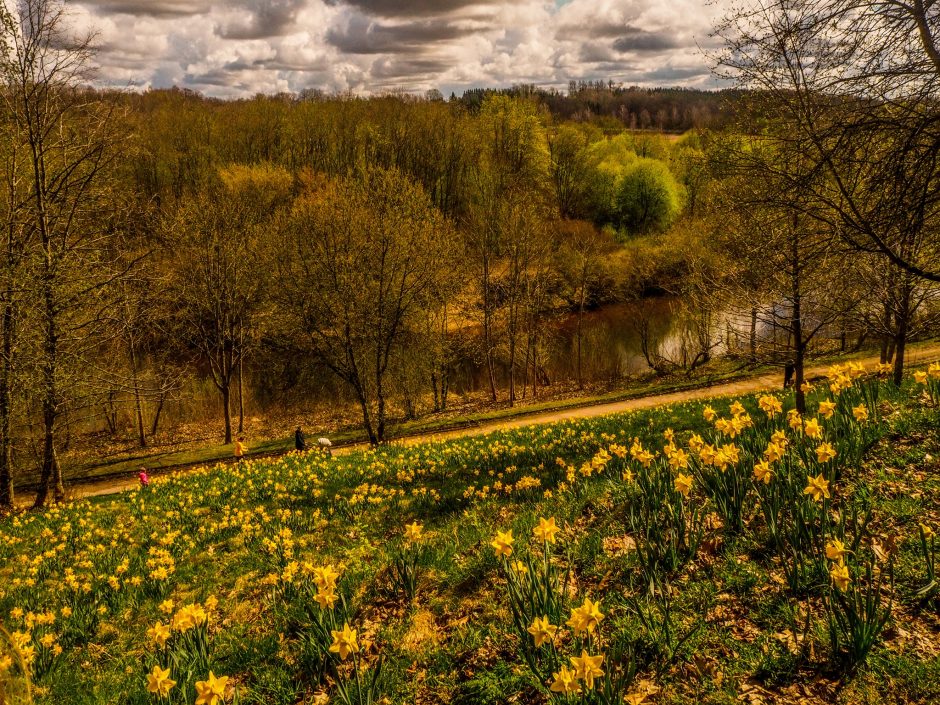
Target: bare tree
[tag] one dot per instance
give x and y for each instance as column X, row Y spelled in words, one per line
column 365, row 254
column 69, row 139
column 218, row 240
column 853, row 86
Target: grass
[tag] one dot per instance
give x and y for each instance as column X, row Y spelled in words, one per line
column 228, row 528
column 127, row 465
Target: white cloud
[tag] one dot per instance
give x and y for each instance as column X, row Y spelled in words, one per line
column 248, row 46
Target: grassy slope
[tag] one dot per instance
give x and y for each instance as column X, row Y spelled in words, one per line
column 125, row 465
column 452, row 645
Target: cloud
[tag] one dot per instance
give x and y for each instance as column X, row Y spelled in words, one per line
column 634, row 39
column 415, row 8
column 152, row 8
column 241, row 47
column 362, row 35
column 262, row 19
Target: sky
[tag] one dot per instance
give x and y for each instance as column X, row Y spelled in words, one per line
column 239, row 48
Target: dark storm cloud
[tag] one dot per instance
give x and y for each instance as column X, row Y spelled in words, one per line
column 363, row 36
column 668, row 75
column 267, row 18
column 163, row 9
column 641, row 40
column 408, row 68
column 412, row 8
column 592, row 53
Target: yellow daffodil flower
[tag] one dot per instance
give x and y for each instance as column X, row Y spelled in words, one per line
column 344, row 642
column 818, row 487
column 547, row 530
column 542, row 631
column 587, row 668
column 502, row 544
column 159, row 683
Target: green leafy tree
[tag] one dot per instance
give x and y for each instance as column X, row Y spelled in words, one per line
column 649, row 198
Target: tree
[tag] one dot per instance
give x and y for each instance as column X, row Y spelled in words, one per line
column 68, row 137
column 790, row 271
column 364, row 254
column 512, row 170
column 648, row 198
column 217, row 239
column 571, row 166
column 580, row 262
column 853, row 86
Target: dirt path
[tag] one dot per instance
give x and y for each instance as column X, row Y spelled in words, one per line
column 915, row 355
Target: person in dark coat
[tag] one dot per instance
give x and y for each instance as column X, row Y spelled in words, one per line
column 300, row 442
column 788, row 371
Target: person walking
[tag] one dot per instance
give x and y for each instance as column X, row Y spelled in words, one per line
column 300, row 443
column 241, row 448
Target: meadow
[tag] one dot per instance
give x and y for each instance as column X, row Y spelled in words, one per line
column 734, row 551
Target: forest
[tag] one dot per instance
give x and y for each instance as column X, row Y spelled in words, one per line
column 168, row 256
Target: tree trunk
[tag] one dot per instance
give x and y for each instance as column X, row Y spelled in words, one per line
column 902, row 318
column 799, row 345
column 487, row 328
column 156, row 416
column 437, row 399
column 753, row 339
column 241, row 385
column 138, row 404
column 51, row 474
column 367, row 418
column 227, row 410
column 578, row 335
column 6, row 442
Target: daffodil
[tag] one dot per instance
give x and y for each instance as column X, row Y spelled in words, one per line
column 709, row 414
column 827, row 409
column 818, row 487
column 413, row 532
column 587, row 668
column 679, row 459
column 211, row 691
column 770, row 405
column 920, row 377
column 502, row 544
column 542, row 631
column 159, row 683
column 326, row 598
column 325, row 577
column 840, row 576
column 586, row 617
column 825, row 452
column 773, row 453
column 763, row 472
column 836, row 550
column 683, row 484
column 344, row 642
column 158, row 634
column 565, row 682
column 547, row 530
column 794, row 420
column 812, row 429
